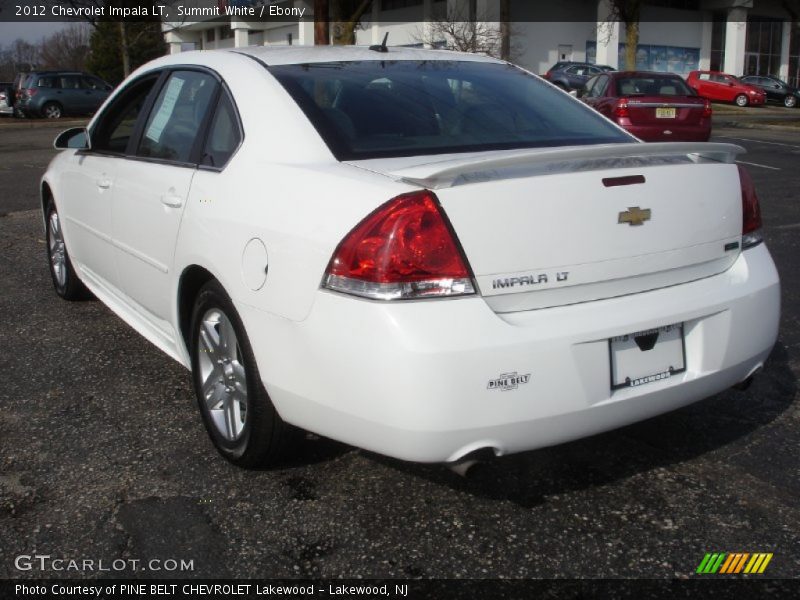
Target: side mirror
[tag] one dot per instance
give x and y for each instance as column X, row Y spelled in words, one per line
column 75, row 138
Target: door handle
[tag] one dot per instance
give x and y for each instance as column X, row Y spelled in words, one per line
column 172, row 200
column 103, row 183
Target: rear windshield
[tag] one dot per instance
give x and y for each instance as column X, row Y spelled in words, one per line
column 373, row 109
column 653, row 86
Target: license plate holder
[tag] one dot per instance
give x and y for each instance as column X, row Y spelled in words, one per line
column 665, row 113
column 646, row 356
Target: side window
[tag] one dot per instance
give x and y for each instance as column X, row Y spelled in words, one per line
column 116, row 124
column 47, row 82
column 70, row 82
column 588, row 89
column 224, row 136
column 90, row 83
column 601, row 85
column 704, row 77
column 177, row 116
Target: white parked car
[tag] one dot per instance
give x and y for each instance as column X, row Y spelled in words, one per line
column 421, row 253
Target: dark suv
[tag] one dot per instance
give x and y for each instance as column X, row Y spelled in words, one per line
column 52, row 94
column 574, row 75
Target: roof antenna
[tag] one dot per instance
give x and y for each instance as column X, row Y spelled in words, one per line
column 382, row 46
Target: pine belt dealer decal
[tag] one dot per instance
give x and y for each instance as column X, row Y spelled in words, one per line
column 734, row 562
column 508, row 381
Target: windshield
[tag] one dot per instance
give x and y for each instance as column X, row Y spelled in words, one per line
column 372, row 109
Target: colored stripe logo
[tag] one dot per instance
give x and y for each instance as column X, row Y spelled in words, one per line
column 734, row 562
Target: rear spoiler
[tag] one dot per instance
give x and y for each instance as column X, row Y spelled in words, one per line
column 545, row 161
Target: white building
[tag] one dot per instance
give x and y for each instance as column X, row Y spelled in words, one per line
column 743, row 37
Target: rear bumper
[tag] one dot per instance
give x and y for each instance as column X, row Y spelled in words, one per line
column 410, row 380
column 677, row 133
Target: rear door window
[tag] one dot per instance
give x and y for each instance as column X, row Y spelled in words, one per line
column 70, row 82
column 224, row 135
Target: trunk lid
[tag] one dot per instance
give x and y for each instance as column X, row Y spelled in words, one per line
column 550, row 227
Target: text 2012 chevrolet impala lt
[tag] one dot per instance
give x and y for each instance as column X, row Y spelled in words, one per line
column 421, row 253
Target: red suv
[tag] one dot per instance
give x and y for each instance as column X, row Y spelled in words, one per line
column 725, row 88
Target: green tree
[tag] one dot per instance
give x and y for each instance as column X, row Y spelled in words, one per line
column 118, row 48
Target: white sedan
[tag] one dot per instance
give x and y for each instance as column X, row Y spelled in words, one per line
column 426, row 254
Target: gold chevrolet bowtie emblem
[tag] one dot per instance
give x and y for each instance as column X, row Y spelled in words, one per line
column 634, row 216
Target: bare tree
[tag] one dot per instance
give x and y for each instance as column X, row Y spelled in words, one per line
column 345, row 16
column 66, row 49
column 322, row 30
column 628, row 13
column 24, row 55
column 126, row 39
column 462, row 28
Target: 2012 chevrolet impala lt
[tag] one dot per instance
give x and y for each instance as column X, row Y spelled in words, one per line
column 422, row 253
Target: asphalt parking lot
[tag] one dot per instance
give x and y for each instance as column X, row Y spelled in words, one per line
column 103, row 455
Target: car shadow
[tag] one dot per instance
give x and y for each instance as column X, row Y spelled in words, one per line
column 528, row 478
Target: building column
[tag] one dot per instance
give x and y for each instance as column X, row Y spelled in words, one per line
column 427, row 17
column 705, row 42
column 174, row 47
column 735, row 37
column 241, row 37
column 305, row 27
column 786, row 36
column 375, row 26
column 607, row 36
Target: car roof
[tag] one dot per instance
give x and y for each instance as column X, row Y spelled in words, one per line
column 292, row 55
column 65, row 72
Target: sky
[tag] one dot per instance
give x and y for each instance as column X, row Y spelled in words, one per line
column 30, row 32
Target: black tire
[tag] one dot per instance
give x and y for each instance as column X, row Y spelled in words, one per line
column 790, row 101
column 264, row 436
column 65, row 279
column 741, row 100
column 52, row 110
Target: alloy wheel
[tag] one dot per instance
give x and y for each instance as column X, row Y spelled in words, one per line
column 58, row 254
column 224, row 383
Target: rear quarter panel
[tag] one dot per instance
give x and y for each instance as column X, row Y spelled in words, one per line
column 283, row 187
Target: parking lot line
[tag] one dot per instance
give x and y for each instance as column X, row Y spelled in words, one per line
column 751, row 164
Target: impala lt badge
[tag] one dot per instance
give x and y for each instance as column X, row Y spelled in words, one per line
column 634, row 216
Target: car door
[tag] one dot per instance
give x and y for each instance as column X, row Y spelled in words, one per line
column 705, row 87
column 775, row 90
column 88, row 182
column 152, row 187
column 71, row 94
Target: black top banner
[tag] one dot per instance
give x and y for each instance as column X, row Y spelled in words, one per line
column 178, row 12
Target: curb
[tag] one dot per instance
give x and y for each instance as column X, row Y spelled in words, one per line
column 34, row 124
column 741, row 125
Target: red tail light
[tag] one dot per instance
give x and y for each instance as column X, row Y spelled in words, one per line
column 31, row 92
column 707, row 109
column 403, row 250
column 751, row 211
column 548, row 75
column 621, row 109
